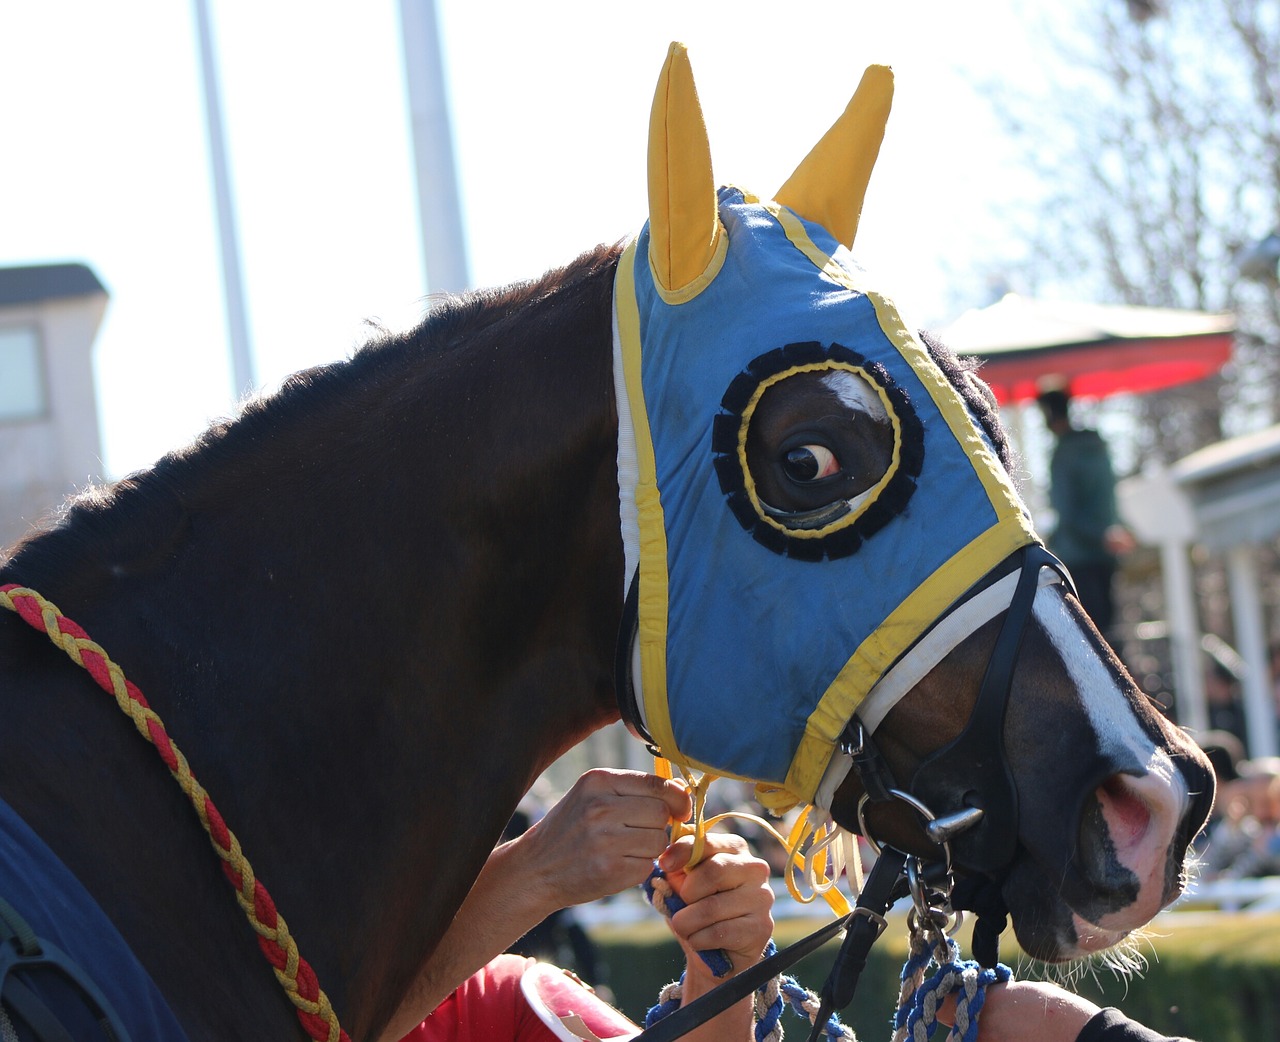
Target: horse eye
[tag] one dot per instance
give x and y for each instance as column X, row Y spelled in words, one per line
column 807, row 463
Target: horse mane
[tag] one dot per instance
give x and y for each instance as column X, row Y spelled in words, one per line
column 963, row 376
column 142, row 515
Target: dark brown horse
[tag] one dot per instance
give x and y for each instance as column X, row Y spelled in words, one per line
column 374, row 606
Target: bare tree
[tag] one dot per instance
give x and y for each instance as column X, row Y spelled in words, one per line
column 1156, row 140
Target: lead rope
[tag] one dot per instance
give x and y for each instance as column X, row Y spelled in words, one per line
column 917, row 1014
column 292, row 971
column 769, row 999
column 931, row 944
column 916, row 1017
column 816, row 851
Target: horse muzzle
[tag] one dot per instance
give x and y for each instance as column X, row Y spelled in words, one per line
column 1118, row 867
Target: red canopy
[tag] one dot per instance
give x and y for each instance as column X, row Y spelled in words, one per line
column 1092, row 350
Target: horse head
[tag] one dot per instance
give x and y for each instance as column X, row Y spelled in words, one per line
column 828, row 551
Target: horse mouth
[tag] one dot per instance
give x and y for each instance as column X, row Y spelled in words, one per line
column 1126, row 865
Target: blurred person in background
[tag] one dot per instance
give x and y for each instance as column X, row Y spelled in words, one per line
column 1245, row 842
column 1088, row 536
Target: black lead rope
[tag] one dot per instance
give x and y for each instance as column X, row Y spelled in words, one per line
column 864, row 924
column 720, row 998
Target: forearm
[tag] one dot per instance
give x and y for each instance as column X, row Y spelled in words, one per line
column 599, row 839
column 736, row 1024
column 500, row 909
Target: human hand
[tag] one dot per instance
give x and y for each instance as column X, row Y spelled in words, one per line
column 1027, row 1010
column 1118, row 540
column 728, row 904
column 601, row 837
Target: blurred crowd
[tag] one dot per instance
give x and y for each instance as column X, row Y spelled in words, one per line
column 1242, row 840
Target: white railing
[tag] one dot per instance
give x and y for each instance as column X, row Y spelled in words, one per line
column 1232, row 895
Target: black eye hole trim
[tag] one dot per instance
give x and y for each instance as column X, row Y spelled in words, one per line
column 834, row 530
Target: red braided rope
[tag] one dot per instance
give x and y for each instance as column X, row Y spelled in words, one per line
column 292, row 971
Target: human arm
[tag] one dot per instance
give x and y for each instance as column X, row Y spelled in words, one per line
column 728, row 906
column 600, row 838
column 1035, row 1011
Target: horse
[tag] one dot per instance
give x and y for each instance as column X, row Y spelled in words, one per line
column 377, row 603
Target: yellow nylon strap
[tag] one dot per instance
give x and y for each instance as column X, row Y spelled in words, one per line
column 809, row 858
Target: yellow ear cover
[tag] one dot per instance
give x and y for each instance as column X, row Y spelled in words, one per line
column 830, row 183
column 684, row 227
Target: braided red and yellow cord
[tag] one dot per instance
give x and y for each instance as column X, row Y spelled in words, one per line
column 292, row 971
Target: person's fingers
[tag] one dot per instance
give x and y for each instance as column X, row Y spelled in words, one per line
column 736, row 921
column 673, row 795
column 742, row 939
column 719, row 871
column 728, row 901
column 603, row 835
column 677, row 855
column 711, row 913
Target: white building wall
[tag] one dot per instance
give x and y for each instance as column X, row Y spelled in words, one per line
column 46, row 458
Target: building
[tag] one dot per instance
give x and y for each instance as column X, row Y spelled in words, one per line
column 49, row 440
column 1224, row 500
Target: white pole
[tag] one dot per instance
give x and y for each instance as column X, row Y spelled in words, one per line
column 439, row 207
column 1246, row 607
column 1184, row 637
column 232, row 281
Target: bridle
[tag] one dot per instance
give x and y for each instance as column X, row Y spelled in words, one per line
column 964, row 794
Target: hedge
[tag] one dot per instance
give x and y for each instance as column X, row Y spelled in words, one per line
column 1214, row 977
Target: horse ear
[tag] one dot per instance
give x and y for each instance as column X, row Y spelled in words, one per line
column 685, row 236
column 830, row 184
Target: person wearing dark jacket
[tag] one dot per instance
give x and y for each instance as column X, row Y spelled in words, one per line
column 1088, row 536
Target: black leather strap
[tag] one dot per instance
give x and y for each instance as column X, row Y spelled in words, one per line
column 868, row 762
column 716, row 1001
column 972, row 770
column 866, row 925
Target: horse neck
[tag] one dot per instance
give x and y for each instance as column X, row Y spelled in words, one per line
column 371, row 620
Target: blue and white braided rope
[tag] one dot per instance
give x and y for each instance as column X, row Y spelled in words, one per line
column 770, row 998
column 917, row 1014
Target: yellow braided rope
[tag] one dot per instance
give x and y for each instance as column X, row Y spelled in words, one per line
column 249, row 892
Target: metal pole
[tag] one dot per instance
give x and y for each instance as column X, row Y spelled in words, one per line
column 439, row 207
column 232, row 280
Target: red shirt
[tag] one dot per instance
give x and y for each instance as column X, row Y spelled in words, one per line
column 494, row 1006
column 488, row 1007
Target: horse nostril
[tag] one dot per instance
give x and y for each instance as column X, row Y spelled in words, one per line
column 1127, row 815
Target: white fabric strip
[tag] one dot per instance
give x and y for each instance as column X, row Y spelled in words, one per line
column 628, row 476
column 628, row 470
column 915, row 665
column 833, row 777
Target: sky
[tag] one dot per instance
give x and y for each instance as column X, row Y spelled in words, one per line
column 107, row 161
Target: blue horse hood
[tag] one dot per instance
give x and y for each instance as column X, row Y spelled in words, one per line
column 62, row 913
column 758, row 639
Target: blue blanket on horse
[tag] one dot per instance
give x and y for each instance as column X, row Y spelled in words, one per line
column 62, row 913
